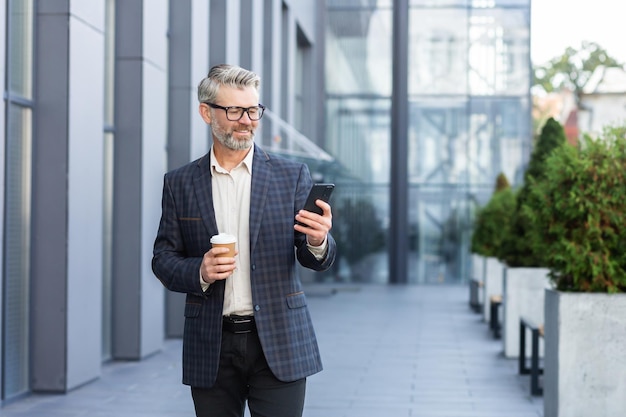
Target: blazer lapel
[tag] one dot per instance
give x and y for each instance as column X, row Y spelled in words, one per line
column 261, row 175
column 204, row 193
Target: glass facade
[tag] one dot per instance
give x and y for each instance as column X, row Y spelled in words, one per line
column 18, row 93
column 469, row 119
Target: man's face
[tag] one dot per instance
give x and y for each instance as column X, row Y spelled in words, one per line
column 236, row 135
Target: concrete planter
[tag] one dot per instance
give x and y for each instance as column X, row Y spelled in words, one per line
column 476, row 283
column 478, row 267
column 585, row 360
column 523, row 295
column 492, row 283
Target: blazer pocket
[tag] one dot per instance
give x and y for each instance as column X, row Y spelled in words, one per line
column 192, row 310
column 296, row 300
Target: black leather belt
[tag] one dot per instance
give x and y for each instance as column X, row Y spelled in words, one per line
column 238, row 324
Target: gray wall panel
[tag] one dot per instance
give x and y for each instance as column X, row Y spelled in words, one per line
column 127, row 182
column 179, row 128
column 127, row 209
column 49, row 206
column 66, row 259
column 140, row 162
column 2, row 167
column 85, row 196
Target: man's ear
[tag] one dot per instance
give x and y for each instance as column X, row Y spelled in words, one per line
column 205, row 113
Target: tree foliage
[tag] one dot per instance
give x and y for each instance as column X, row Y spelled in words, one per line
column 517, row 250
column 502, row 183
column 578, row 216
column 572, row 68
column 493, row 220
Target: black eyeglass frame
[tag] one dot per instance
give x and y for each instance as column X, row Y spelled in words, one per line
column 260, row 107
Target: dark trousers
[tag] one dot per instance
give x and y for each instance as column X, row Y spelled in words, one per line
column 244, row 375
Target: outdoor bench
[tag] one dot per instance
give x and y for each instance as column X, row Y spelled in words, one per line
column 535, row 370
column 495, row 302
column 475, row 291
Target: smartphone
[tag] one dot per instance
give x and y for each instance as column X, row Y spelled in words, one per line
column 318, row 192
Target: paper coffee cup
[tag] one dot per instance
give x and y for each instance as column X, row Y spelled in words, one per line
column 226, row 241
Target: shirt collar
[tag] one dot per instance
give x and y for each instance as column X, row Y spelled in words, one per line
column 247, row 161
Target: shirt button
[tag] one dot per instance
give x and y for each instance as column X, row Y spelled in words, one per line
column 253, row 267
column 257, row 308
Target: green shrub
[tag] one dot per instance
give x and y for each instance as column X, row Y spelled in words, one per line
column 517, row 250
column 578, row 214
column 493, row 220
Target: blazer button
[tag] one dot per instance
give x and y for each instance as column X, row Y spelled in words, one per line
column 257, row 307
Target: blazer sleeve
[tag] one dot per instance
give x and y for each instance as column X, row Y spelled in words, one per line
column 305, row 257
column 171, row 261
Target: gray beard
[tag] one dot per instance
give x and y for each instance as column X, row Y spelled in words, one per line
column 235, row 145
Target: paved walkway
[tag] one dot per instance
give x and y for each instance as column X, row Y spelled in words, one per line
column 388, row 351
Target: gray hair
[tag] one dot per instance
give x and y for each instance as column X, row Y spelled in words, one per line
column 226, row 75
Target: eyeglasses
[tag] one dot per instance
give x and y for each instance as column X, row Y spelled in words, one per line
column 234, row 113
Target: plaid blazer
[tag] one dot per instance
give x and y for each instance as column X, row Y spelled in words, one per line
column 279, row 189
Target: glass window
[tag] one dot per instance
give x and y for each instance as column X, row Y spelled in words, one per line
column 438, row 141
column 468, row 111
column 438, row 51
column 358, row 126
column 16, row 250
column 498, row 131
column 358, row 51
column 498, row 51
column 109, row 63
column 17, row 219
column 359, row 132
column 20, row 47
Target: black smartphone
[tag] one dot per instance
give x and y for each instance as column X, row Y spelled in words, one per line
column 318, row 192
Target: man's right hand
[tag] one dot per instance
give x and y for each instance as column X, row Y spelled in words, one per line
column 214, row 267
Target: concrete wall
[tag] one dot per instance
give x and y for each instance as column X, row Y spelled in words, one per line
column 2, row 147
column 523, row 296
column 585, row 364
column 492, row 284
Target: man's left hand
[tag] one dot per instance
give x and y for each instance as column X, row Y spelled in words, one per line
column 313, row 225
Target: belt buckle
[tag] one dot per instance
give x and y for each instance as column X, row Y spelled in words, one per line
column 239, row 324
column 239, row 319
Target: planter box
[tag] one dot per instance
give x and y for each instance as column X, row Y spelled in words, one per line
column 523, row 296
column 492, row 283
column 585, row 359
column 476, row 283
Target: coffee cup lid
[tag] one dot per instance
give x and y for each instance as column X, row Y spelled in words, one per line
column 223, row 238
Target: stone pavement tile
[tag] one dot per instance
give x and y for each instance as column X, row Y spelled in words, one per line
column 411, row 351
column 388, row 351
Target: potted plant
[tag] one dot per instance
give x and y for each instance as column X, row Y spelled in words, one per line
column 578, row 216
column 525, row 275
column 491, row 225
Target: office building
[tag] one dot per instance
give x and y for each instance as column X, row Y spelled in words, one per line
column 411, row 107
